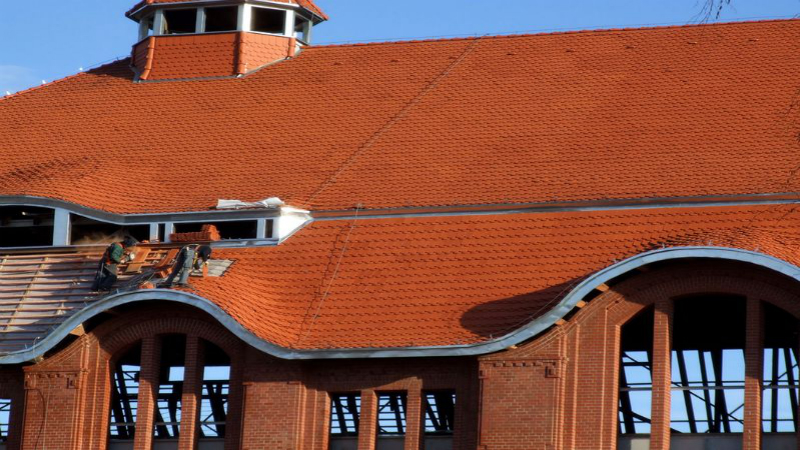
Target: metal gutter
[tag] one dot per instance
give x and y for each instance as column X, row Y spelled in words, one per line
column 524, row 333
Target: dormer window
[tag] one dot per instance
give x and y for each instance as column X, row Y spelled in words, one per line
column 179, row 21
column 26, row 226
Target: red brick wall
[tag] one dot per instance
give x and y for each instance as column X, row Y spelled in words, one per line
column 559, row 391
column 285, row 404
column 556, row 392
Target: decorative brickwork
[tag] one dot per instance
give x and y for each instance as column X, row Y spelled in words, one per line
column 579, row 409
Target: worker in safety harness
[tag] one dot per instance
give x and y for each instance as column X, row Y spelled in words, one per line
column 116, row 253
column 191, row 257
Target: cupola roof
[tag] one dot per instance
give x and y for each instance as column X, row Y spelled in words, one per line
column 308, row 5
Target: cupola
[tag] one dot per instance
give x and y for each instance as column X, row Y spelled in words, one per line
column 207, row 38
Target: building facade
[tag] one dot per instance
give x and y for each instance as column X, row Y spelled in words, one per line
column 580, row 240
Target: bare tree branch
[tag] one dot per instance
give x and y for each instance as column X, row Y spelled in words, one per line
column 712, row 9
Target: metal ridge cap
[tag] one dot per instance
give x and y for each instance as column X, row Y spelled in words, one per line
column 523, row 333
column 566, row 206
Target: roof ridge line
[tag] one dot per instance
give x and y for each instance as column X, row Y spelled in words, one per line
column 515, row 34
column 62, row 79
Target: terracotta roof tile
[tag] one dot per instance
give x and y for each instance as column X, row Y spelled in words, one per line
column 458, row 280
column 413, row 282
column 666, row 112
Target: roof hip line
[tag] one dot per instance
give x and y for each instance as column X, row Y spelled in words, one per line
column 396, row 118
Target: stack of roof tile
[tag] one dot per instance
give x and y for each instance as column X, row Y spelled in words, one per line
column 207, row 233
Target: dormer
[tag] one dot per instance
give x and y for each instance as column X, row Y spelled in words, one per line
column 208, row 38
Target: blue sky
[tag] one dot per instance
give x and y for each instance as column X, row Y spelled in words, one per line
column 49, row 39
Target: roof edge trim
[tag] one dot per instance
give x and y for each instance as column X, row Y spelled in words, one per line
column 127, row 219
column 524, row 333
column 282, row 5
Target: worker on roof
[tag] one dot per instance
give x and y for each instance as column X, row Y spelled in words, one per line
column 116, row 253
column 191, row 257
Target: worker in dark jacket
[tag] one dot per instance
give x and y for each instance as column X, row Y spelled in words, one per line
column 115, row 253
column 191, row 257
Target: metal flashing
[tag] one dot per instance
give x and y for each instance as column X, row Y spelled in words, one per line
column 518, row 336
column 576, row 206
column 139, row 219
column 412, row 212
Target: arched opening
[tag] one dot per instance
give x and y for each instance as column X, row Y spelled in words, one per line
column 730, row 373
column 215, row 393
column 125, row 397
column 185, row 380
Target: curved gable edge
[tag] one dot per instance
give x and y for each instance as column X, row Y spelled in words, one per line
column 522, row 334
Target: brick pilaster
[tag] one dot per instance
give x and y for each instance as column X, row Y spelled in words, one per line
column 414, row 417
column 753, row 362
column 148, row 390
column 368, row 424
column 662, row 375
column 191, row 396
column 236, row 403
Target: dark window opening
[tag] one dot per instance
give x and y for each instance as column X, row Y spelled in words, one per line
column 162, row 231
column 170, row 387
column 440, row 408
column 25, row 226
column 268, row 20
column 5, row 418
column 635, row 376
column 392, row 414
column 345, row 414
column 708, row 365
column 224, row 18
column 180, row 21
column 125, row 394
column 216, row 390
column 781, row 375
column 270, row 231
column 85, row 231
column 238, row 229
column 301, row 28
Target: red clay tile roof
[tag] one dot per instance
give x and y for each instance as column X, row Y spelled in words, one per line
column 393, row 283
column 665, row 112
column 461, row 279
column 307, row 4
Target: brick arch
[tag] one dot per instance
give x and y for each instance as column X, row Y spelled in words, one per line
column 659, row 288
column 118, row 335
column 130, row 334
column 631, row 296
